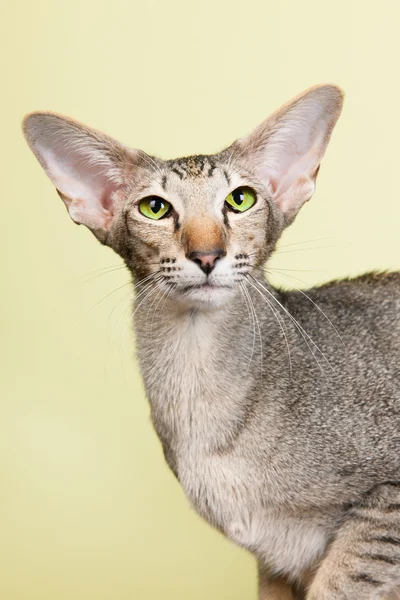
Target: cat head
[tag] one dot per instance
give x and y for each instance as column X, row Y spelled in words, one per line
column 194, row 226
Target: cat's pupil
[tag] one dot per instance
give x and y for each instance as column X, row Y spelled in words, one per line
column 238, row 197
column 156, row 205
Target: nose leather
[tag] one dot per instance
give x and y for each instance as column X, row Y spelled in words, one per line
column 206, row 260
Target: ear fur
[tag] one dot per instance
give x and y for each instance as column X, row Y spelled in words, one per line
column 285, row 151
column 89, row 169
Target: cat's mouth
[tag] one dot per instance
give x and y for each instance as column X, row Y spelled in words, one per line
column 207, row 285
column 204, row 295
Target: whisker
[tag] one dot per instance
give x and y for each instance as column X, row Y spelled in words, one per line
column 299, row 270
column 107, row 296
column 304, row 249
column 152, row 290
column 146, row 293
column 123, row 335
column 118, row 266
column 116, row 290
column 104, row 273
column 282, row 275
column 301, row 330
column 252, row 254
column 121, row 314
column 258, row 327
column 307, row 242
column 252, row 322
column 110, row 317
column 155, row 310
column 146, row 287
column 165, row 296
column 280, row 322
column 87, row 313
column 137, row 284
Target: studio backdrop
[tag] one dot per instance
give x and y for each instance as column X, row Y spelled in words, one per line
column 88, row 508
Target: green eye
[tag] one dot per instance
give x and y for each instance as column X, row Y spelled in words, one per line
column 241, row 199
column 154, row 207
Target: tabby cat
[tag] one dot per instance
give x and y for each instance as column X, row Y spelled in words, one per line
column 279, row 412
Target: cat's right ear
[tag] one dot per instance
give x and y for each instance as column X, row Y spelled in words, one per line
column 90, row 170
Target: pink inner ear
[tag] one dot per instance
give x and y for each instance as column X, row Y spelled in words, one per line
column 89, row 169
column 274, row 184
column 106, row 200
column 286, row 150
column 83, row 185
column 292, row 175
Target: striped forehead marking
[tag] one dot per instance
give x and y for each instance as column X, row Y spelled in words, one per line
column 193, row 166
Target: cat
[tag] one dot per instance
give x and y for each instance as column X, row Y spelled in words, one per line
column 278, row 411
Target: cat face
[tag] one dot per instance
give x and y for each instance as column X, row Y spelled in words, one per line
column 194, row 227
column 199, row 225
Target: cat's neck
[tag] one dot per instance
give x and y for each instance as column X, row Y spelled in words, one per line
column 199, row 366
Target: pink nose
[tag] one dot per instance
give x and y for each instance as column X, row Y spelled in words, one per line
column 206, row 260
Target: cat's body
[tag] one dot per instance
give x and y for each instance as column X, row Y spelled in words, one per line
column 279, row 412
column 231, row 441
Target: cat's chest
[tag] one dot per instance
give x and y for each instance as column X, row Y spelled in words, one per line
column 202, row 409
column 195, row 392
column 228, row 492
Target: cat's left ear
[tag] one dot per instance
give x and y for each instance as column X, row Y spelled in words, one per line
column 90, row 170
column 285, row 151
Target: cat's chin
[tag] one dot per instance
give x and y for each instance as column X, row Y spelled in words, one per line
column 205, row 296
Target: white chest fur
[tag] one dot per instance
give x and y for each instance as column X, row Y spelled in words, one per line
column 227, row 493
column 195, row 391
column 198, row 404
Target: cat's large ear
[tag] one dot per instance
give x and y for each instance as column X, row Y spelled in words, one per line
column 89, row 169
column 285, row 151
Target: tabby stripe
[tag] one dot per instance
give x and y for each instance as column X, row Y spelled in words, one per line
column 393, row 483
column 211, row 170
column 385, row 539
column 179, row 173
column 362, row 515
column 379, row 558
column 365, row 579
column 177, row 225
column 228, row 181
column 388, row 482
column 375, row 516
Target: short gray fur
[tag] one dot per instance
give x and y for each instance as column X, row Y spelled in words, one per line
column 279, row 412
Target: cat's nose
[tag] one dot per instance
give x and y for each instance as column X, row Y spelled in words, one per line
column 206, row 260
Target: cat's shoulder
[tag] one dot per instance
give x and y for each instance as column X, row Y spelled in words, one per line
column 368, row 292
column 385, row 277
column 367, row 282
column 373, row 288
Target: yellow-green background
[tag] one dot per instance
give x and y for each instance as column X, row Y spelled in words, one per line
column 88, row 509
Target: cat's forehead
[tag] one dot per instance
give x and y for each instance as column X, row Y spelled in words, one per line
column 195, row 182
column 198, row 166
